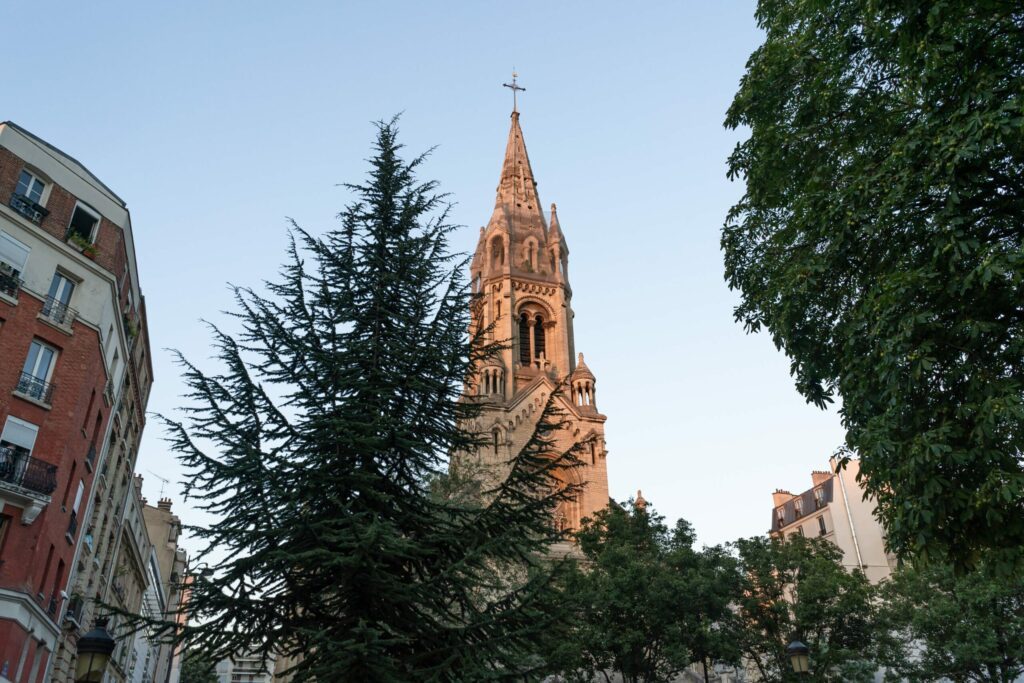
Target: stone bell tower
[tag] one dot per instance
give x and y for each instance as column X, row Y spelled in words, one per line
column 521, row 269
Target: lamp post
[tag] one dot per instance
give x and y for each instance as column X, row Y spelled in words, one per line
column 799, row 657
column 94, row 650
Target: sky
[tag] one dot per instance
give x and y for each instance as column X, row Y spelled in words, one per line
column 219, row 121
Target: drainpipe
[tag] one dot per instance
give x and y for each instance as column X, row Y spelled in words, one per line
column 849, row 516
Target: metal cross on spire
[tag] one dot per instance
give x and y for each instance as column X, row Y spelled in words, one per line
column 515, row 88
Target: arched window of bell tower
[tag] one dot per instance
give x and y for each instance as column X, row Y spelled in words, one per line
column 539, row 347
column 524, row 339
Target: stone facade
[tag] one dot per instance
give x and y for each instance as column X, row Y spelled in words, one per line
column 835, row 508
column 521, row 273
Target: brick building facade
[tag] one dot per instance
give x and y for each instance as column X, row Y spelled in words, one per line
column 73, row 348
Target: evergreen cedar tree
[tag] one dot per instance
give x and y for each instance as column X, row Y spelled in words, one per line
column 879, row 241
column 321, row 448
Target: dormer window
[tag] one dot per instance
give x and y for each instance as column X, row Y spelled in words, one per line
column 84, row 222
column 798, row 508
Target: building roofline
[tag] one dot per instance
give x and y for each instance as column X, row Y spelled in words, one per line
column 56, row 150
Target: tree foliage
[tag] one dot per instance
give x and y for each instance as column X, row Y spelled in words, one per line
column 318, row 446
column 197, row 669
column 646, row 604
column 798, row 589
column 941, row 625
column 879, row 241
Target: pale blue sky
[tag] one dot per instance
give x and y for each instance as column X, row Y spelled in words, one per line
column 216, row 120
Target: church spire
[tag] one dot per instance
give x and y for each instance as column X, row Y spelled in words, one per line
column 516, row 184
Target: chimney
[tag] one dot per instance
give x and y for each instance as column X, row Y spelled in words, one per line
column 780, row 496
column 818, row 477
column 164, row 504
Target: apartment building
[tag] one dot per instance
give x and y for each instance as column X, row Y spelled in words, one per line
column 244, row 669
column 835, row 508
column 74, row 351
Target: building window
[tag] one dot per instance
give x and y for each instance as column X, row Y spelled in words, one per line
column 780, row 516
column 819, row 498
column 83, row 223
column 57, row 299
column 5, row 525
column 28, row 196
column 13, row 257
column 37, row 371
column 822, row 530
column 538, row 337
column 19, row 436
column 30, row 187
column 798, row 508
column 524, row 339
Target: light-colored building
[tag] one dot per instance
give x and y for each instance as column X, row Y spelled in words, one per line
column 521, row 273
column 835, row 508
column 168, row 567
column 245, row 669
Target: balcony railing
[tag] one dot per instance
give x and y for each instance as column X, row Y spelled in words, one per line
column 73, row 524
column 9, row 283
column 75, row 610
column 58, row 312
column 28, row 208
column 34, row 387
column 90, row 457
column 27, row 472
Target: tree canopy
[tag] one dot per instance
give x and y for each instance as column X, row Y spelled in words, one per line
column 320, row 446
column 645, row 603
column 941, row 625
column 879, row 241
column 797, row 588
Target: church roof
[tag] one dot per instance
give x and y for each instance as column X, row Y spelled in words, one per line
column 516, row 205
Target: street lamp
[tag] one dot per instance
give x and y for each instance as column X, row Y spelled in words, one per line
column 799, row 657
column 94, row 650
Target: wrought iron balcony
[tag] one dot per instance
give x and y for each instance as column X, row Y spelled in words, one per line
column 58, row 312
column 27, row 472
column 9, row 283
column 36, row 388
column 28, row 208
column 73, row 524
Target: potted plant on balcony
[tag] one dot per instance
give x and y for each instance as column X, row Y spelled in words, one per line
column 87, row 248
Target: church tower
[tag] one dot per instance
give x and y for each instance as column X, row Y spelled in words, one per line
column 521, row 270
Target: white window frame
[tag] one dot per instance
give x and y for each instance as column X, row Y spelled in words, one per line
column 79, row 204
column 69, row 280
column 11, row 420
column 18, row 245
column 43, row 193
column 53, row 364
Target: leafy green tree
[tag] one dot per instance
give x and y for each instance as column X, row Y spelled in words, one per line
column 879, row 241
column 646, row 603
column 197, row 669
column 320, row 446
column 798, row 588
column 941, row 625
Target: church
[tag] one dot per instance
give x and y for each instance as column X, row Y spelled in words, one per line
column 520, row 271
